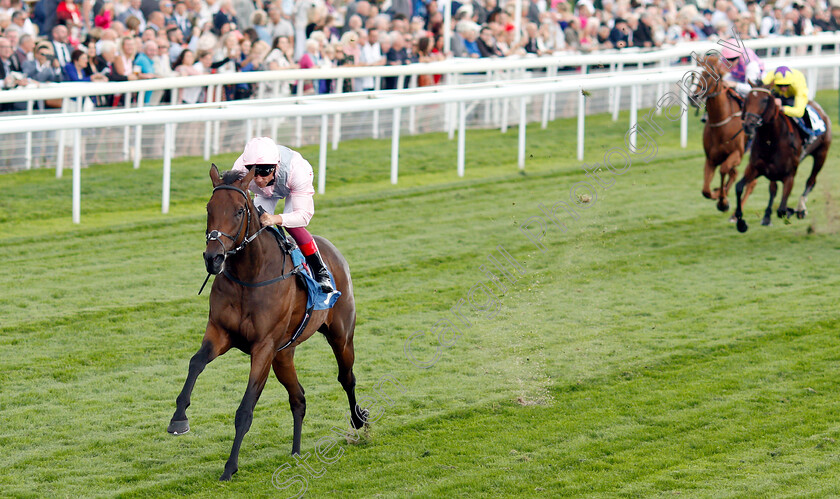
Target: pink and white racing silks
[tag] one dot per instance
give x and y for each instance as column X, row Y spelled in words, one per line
column 299, row 207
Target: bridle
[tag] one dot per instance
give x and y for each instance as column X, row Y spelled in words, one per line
column 216, row 235
column 759, row 119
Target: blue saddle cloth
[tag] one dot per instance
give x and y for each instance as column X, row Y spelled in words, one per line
column 315, row 298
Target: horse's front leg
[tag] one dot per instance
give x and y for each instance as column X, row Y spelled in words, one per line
column 784, row 211
column 261, row 356
column 749, row 177
column 708, row 175
column 216, row 342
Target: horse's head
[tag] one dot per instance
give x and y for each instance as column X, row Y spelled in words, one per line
column 759, row 107
column 229, row 214
column 712, row 70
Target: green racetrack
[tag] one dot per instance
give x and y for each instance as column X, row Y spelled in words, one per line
column 651, row 350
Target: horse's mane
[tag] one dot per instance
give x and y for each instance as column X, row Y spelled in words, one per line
column 231, row 176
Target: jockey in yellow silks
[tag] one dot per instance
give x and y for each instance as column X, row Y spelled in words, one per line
column 791, row 90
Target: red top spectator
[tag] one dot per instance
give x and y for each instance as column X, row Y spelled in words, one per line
column 69, row 13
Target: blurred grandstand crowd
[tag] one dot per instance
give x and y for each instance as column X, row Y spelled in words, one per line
column 116, row 40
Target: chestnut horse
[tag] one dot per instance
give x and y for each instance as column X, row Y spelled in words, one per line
column 723, row 141
column 257, row 304
column 776, row 153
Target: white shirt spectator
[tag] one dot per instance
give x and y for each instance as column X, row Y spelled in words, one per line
column 369, row 54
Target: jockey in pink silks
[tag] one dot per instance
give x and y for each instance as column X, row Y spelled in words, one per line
column 742, row 71
column 281, row 173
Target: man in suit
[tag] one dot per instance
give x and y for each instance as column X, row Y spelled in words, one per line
column 60, row 47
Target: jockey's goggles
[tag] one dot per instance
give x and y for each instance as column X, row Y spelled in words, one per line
column 263, row 170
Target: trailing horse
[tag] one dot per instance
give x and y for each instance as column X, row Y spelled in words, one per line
column 257, row 306
column 723, row 140
column 776, row 153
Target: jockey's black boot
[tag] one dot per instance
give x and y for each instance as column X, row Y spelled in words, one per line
column 807, row 142
column 319, row 271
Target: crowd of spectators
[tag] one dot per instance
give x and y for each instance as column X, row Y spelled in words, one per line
column 117, row 40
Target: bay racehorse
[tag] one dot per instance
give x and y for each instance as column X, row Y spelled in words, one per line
column 257, row 304
column 723, row 140
column 776, row 152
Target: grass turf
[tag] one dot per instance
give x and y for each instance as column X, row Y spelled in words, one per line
column 650, row 350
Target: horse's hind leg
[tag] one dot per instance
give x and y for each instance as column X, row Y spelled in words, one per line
column 819, row 160
column 284, row 369
column 215, row 343
column 769, row 211
column 260, row 365
column 342, row 345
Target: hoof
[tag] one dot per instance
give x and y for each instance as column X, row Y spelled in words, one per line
column 742, row 226
column 227, row 475
column 801, row 214
column 178, row 427
column 360, row 417
column 786, row 213
column 733, row 219
column 765, row 221
column 723, row 205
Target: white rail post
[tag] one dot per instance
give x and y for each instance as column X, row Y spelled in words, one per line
column 77, row 138
column 127, row 131
column 168, row 140
column 173, row 100
column 447, row 109
column 462, row 138
column 377, row 84
column 684, row 121
column 249, row 131
column 581, row 124
column 337, row 117
column 30, row 104
column 208, row 129
column 617, row 105
column 217, row 134
column 505, row 111
column 138, row 132
column 523, row 107
column 77, row 176
column 299, row 119
column 546, row 108
column 412, row 119
column 488, row 104
column 395, row 145
column 611, row 103
column 322, row 156
column 59, row 156
column 660, row 89
column 452, row 112
column 634, row 108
